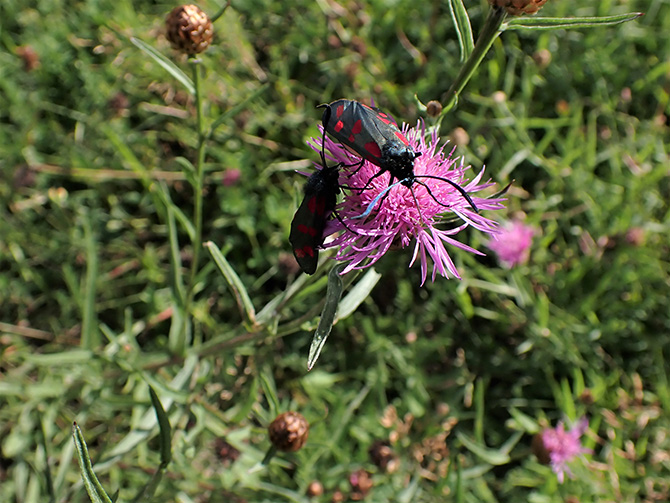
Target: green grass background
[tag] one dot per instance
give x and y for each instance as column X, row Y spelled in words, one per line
column 457, row 375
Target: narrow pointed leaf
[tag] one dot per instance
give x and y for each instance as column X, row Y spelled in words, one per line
column 554, row 23
column 165, row 442
column 358, row 293
column 234, row 283
column 463, row 28
column 163, row 61
column 492, row 456
column 165, row 430
column 93, row 486
column 333, row 295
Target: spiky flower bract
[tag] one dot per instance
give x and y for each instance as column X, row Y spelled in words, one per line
column 431, row 213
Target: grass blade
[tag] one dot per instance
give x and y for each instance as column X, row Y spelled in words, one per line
column 463, row 28
column 164, row 427
column 180, row 328
column 166, row 63
column 234, row 283
column 493, row 457
column 165, row 443
column 90, row 337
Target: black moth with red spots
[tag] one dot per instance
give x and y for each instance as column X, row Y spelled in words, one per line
column 374, row 136
column 307, row 227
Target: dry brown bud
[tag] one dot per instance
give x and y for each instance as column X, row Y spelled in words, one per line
column 519, row 7
column 433, row 108
column 289, row 431
column 189, row 29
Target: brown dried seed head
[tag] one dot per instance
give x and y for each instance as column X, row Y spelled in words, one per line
column 189, row 29
column 433, row 108
column 289, row 431
column 519, row 7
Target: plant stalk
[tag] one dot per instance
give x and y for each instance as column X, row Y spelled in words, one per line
column 489, row 33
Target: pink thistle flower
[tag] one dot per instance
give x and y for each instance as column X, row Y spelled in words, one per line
column 512, row 243
column 231, row 176
column 397, row 220
column 558, row 447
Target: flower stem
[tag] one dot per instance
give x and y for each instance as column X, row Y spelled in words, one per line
column 198, row 182
column 489, row 33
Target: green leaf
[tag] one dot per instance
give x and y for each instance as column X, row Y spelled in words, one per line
column 180, row 328
column 553, row 23
column 333, row 295
column 144, row 425
column 463, row 28
column 165, row 442
column 458, row 491
column 247, row 404
column 234, row 283
column 93, row 486
column 523, row 421
column 165, row 429
column 90, row 336
column 492, row 456
column 270, row 391
column 286, row 494
column 358, row 294
column 166, row 63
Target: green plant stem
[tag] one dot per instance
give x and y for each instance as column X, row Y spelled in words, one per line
column 198, row 182
column 220, row 13
column 489, row 33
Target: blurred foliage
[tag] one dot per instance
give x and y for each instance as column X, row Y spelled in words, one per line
column 449, row 375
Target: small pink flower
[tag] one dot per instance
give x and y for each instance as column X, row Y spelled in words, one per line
column 512, row 243
column 231, row 177
column 398, row 219
column 564, row 446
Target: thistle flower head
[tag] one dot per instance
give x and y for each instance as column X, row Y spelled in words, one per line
column 430, row 212
column 558, row 447
column 512, row 243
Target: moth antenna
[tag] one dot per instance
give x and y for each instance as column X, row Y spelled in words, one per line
column 374, row 202
column 417, row 205
column 460, row 190
column 325, row 119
